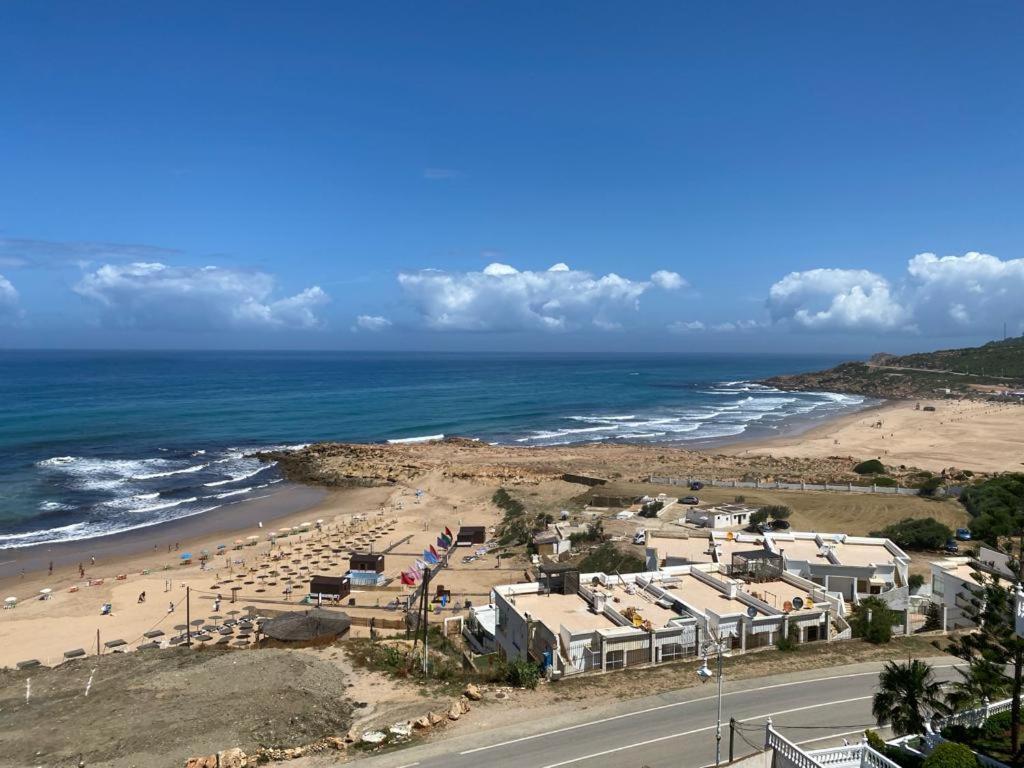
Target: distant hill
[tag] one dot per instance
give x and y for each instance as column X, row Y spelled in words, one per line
column 971, row 371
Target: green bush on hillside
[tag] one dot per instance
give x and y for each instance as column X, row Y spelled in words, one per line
column 870, row 467
column 916, row 533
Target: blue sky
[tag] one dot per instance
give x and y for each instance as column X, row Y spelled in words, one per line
column 733, row 176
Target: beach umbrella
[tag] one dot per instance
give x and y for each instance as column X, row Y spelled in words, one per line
column 10, row 601
column 186, row 555
column 222, row 546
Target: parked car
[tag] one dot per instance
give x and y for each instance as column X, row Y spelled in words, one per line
column 952, row 547
column 963, row 534
column 640, row 536
column 780, row 525
column 696, row 485
column 689, row 500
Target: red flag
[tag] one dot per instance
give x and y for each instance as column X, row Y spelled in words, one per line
column 448, row 533
column 407, row 580
column 434, row 551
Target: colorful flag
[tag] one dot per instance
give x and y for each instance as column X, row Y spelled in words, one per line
column 448, row 533
column 442, row 543
column 430, row 557
column 408, row 579
column 433, row 551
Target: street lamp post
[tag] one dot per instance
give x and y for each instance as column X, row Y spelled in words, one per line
column 715, row 645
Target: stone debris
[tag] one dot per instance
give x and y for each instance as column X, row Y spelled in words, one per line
column 472, row 693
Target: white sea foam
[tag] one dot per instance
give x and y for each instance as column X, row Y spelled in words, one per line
column 421, row 439
column 172, row 472
column 241, row 476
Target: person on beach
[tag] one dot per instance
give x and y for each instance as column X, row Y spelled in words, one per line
column 92, row 559
column 81, row 571
column 142, row 597
column 51, row 567
column 170, row 607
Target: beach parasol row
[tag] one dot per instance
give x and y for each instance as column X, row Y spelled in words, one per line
column 414, row 573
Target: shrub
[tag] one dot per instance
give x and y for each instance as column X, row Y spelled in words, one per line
column 873, row 619
column 886, row 482
column 915, row 582
column 917, row 533
column 949, row 754
column 870, row 467
column 608, row 559
column 520, row 673
column 785, row 644
column 777, row 511
column 930, row 486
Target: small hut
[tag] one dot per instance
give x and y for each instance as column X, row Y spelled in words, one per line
column 366, row 570
column 470, row 535
column 329, row 587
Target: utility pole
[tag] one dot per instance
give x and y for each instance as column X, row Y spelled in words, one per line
column 188, row 617
column 732, row 736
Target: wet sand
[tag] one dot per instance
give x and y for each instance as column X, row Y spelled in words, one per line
column 286, row 500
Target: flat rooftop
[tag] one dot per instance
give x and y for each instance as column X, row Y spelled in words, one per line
column 620, row 599
column 778, row 593
column 703, row 597
column 693, row 550
column 556, row 610
column 846, row 553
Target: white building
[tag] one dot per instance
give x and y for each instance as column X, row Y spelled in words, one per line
column 954, row 585
column 618, row 621
column 721, row 516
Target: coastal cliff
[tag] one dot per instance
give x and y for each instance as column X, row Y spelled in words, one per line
column 975, row 372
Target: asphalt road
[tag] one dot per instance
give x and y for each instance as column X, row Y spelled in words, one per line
column 677, row 729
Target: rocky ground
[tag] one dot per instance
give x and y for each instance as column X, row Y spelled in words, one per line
column 343, row 464
column 158, row 709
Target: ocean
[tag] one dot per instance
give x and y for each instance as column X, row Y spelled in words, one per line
column 93, row 443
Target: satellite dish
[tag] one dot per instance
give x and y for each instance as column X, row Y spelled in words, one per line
column 798, row 603
column 787, row 606
column 752, row 612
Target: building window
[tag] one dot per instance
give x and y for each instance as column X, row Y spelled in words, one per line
column 615, row 660
column 672, row 651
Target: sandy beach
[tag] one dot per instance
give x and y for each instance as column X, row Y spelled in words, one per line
column 967, row 434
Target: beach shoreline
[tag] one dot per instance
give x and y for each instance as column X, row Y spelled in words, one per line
column 158, row 541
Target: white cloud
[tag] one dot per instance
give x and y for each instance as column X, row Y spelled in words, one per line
column 836, row 299
column 155, row 295
column 9, row 301
column 669, row 281
column 681, row 326
column 502, row 298
column 973, row 293
column 372, row 323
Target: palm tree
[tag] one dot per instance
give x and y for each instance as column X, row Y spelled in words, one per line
column 983, row 679
column 908, row 695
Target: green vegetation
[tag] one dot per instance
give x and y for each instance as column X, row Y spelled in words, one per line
column 518, row 673
column 607, row 558
column 907, row 697
column 920, row 375
column 930, row 486
column 770, row 512
column 915, row 581
column 593, row 532
column 899, row 756
column 995, row 652
column 949, row 754
column 997, row 358
column 916, row 533
column 997, row 506
column 870, row 467
column 873, row 620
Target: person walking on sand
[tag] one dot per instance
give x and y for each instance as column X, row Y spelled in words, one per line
column 92, row 560
column 142, row 597
column 170, row 607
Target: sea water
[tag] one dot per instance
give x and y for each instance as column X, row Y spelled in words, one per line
column 98, row 442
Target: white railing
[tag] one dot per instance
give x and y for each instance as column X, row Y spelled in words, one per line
column 860, row 755
column 974, row 717
column 787, row 754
